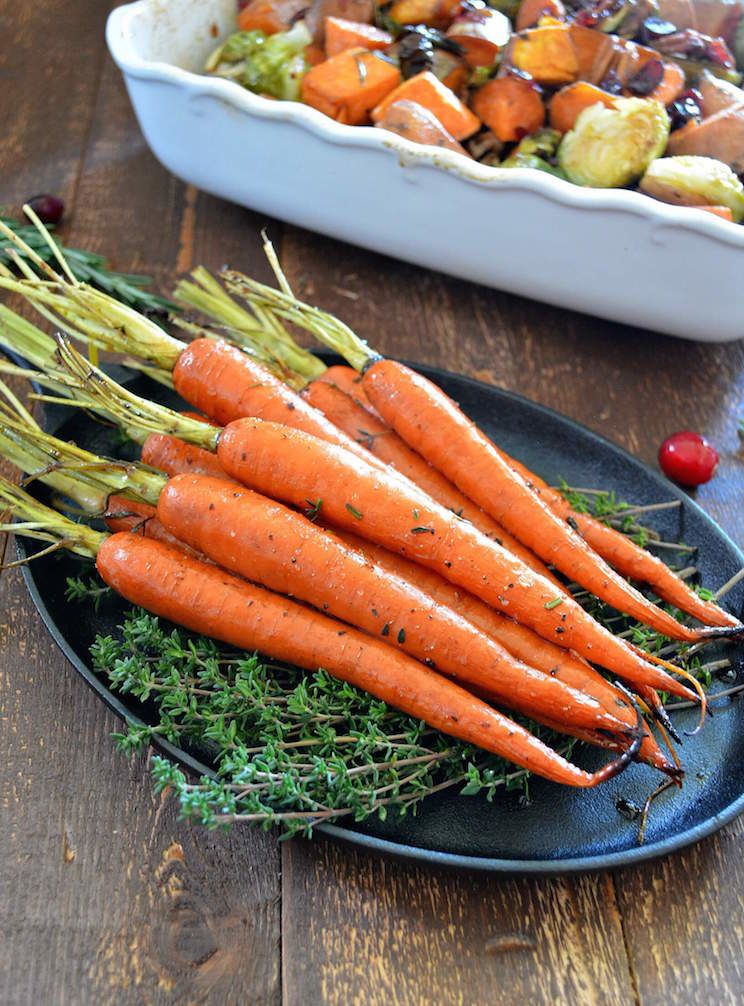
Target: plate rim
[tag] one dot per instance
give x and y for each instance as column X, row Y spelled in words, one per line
column 417, row 854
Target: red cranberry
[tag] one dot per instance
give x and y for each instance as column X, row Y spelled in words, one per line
column 49, row 209
column 687, row 106
column 688, row 458
column 647, row 79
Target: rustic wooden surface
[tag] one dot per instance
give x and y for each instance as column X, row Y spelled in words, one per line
column 107, row 898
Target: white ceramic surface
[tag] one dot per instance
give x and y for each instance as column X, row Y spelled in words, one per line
column 612, row 253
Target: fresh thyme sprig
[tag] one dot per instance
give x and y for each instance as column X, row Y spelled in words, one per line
column 91, row 268
column 287, row 748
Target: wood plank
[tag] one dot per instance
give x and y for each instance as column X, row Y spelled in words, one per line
column 108, row 898
column 149, row 909
column 366, row 930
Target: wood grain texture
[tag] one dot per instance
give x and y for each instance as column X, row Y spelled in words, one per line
column 109, row 898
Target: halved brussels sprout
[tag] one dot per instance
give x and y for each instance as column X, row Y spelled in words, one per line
column 694, row 181
column 609, row 148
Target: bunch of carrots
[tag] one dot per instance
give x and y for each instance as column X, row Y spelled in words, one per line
column 416, row 561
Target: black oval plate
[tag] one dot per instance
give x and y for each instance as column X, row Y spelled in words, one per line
column 561, row 830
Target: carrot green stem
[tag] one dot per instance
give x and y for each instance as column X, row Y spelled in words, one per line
column 327, row 329
column 44, row 524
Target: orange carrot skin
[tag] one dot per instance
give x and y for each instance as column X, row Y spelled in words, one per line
column 293, row 467
column 628, row 558
column 209, row 601
column 385, row 444
column 123, row 514
column 430, row 422
column 173, row 456
column 247, row 534
column 226, row 384
column 520, row 641
column 350, row 381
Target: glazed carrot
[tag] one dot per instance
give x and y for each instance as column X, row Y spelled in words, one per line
column 628, row 558
column 264, row 541
column 173, row 456
column 520, row 641
column 295, row 467
column 348, row 86
column 124, row 514
column 226, row 384
column 350, row 381
column 568, row 104
column 341, row 34
column 386, row 445
column 211, row 602
column 427, row 90
column 430, row 422
column 510, row 106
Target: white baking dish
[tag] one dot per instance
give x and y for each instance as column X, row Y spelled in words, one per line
column 613, row 253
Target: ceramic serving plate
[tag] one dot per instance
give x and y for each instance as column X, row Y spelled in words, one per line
column 613, row 253
column 561, row 830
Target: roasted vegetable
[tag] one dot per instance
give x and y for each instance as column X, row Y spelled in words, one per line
column 270, row 16
column 571, row 100
column 427, row 90
column 534, row 152
column 481, row 34
column 341, row 34
column 694, row 181
column 414, row 122
column 547, row 54
column 721, row 136
column 264, row 64
column 511, row 106
column 530, row 12
column 613, row 147
column 348, row 86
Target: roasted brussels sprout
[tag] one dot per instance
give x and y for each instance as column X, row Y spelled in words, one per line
column 612, row 147
column 694, row 181
column 265, row 64
column 536, row 151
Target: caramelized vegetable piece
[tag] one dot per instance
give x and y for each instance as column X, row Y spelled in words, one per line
column 414, row 122
column 510, row 106
column 434, row 13
column 672, row 84
column 453, row 72
column 530, row 12
column 360, row 11
column 314, row 54
column 631, row 58
column 348, row 86
column 570, row 102
column 719, row 211
column 341, row 35
column 718, row 94
column 270, row 16
column 694, row 181
column 482, row 34
column 547, row 54
column 720, row 136
column 594, row 53
column 426, row 90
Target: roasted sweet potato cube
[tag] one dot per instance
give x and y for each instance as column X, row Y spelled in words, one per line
column 547, row 54
column 348, row 86
column 427, row 90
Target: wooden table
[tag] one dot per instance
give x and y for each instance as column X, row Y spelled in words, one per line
column 107, row 898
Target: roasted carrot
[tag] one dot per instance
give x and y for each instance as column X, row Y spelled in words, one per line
column 209, row 601
column 427, row 90
column 125, row 514
column 628, row 558
column 173, row 456
column 386, row 445
column 510, row 106
column 429, row 422
column 568, row 104
column 294, row 467
column 247, row 534
column 341, row 34
column 348, row 86
column 519, row 640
